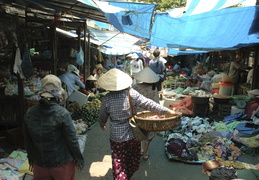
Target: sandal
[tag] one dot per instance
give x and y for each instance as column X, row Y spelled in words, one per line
column 145, row 157
column 160, row 97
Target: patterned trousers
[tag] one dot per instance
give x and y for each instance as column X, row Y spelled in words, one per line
column 125, row 158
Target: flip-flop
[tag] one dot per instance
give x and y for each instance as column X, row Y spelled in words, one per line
column 145, row 158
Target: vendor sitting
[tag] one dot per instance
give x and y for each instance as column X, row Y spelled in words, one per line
column 90, row 84
column 177, row 67
column 194, row 80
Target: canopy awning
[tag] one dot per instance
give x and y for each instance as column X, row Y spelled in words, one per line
column 129, row 17
column 224, row 29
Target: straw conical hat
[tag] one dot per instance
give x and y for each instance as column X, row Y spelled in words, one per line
column 134, row 56
column 91, row 78
column 115, row 80
column 147, row 75
column 98, row 66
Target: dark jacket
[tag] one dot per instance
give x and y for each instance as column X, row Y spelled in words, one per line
column 51, row 137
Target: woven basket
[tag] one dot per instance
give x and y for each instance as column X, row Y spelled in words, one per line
column 163, row 124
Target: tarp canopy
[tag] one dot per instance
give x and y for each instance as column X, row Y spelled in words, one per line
column 178, row 52
column 200, row 28
column 109, row 42
column 113, row 42
column 200, row 6
column 224, row 29
column 132, row 18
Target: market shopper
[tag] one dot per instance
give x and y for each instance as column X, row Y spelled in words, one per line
column 50, row 137
column 146, row 77
column 234, row 71
column 71, row 79
column 98, row 71
column 136, row 65
column 116, row 107
column 158, row 66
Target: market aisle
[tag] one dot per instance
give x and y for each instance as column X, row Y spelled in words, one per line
column 158, row 167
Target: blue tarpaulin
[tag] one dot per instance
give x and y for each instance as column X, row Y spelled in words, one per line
column 135, row 18
column 224, row 29
column 110, row 42
column 178, row 52
column 201, row 6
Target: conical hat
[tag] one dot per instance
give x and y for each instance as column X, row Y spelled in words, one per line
column 98, row 66
column 134, row 56
column 91, row 78
column 147, row 75
column 115, row 80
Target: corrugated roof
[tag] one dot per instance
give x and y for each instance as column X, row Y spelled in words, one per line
column 48, row 11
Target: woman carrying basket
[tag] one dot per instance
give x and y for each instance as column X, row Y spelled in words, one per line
column 116, row 107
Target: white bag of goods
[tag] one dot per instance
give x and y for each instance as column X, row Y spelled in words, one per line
column 216, row 78
column 226, row 78
column 253, row 93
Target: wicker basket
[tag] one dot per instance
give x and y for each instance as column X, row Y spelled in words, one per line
column 163, row 124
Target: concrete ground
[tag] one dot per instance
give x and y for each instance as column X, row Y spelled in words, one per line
column 157, row 167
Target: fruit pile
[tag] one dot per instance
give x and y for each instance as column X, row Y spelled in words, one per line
column 88, row 112
column 80, row 126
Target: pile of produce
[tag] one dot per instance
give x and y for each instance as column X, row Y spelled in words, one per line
column 99, row 96
column 88, row 112
column 208, row 147
column 196, row 140
column 156, row 117
column 80, row 126
column 179, row 80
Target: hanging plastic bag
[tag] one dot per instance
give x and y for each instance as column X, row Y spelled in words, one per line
column 11, row 89
column 79, row 57
column 26, row 65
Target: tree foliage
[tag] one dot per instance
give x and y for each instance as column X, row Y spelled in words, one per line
column 164, row 5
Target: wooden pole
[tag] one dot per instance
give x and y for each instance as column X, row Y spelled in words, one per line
column 88, row 55
column 54, row 49
column 85, row 51
column 255, row 82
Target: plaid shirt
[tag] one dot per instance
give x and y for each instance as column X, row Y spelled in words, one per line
column 116, row 107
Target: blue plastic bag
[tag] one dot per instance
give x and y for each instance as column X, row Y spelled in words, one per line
column 79, row 57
